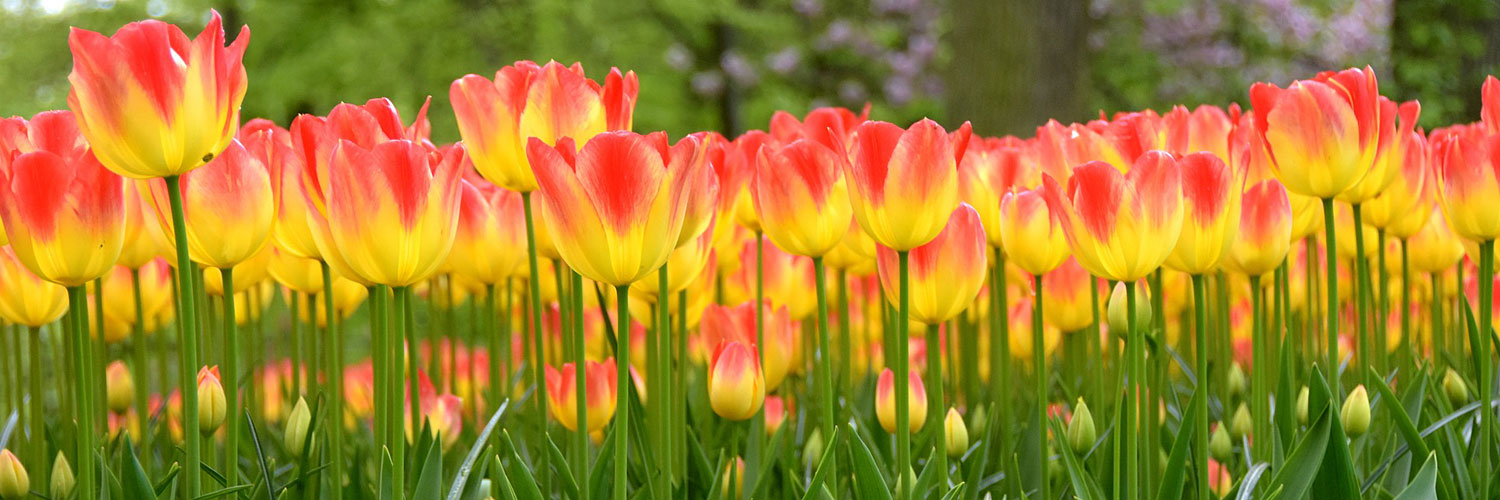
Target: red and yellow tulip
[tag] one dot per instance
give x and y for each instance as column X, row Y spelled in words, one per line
column 1032, row 235
column 800, row 197
column 736, row 388
column 885, row 401
column 946, row 273
column 26, row 299
column 1264, row 233
column 1322, row 135
column 904, row 182
column 1210, row 209
column 1121, row 226
column 228, row 206
column 599, row 395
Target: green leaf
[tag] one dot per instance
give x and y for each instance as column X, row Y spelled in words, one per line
column 1424, row 485
column 867, row 477
column 562, row 471
column 1404, row 424
column 1084, row 486
column 387, row 476
column 1296, row 476
column 224, row 492
column 816, row 485
column 134, row 482
column 507, row 492
column 600, row 479
column 769, row 457
column 430, row 479
column 460, row 481
column 260, row 455
column 956, row 491
column 927, row 479
column 166, row 480
column 717, row 485
column 1175, row 476
column 524, row 482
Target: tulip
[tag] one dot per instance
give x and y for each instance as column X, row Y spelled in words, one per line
column 1240, row 424
column 686, row 263
column 524, row 101
column 955, row 434
column 1265, row 230
column 737, row 324
column 831, row 127
column 904, row 183
column 153, row 103
column 800, row 197
column 1236, row 379
column 210, row 400
column 295, row 438
column 14, row 485
column 736, row 388
column 733, row 478
column 273, row 147
column 1032, row 234
column 26, row 299
column 1302, row 406
column 776, row 413
column 600, row 394
column 120, row 387
column 144, row 238
column 443, row 414
column 946, row 273
column 1070, row 291
column 1081, row 432
column 1219, row 445
column 784, row 279
column 1407, row 188
column 1117, row 311
column 885, row 402
column 812, row 449
column 1355, row 415
column 1323, row 134
column 1121, row 226
column 990, row 171
column 1434, row 248
column 62, row 477
column 1455, row 388
column 489, row 245
column 1210, row 208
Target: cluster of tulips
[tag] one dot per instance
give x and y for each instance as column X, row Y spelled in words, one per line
column 377, row 300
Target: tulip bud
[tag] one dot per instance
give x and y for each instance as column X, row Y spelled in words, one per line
column 120, row 388
column 738, row 480
column 980, row 422
column 911, row 475
column 62, row 477
column 14, row 485
column 1118, row 304
column 1356, row 412
column 736, row 388
column 1302, row 406
column 1237, row 382
column 885, row 401
column 1457, row 389
column 1081, row 431
column 812, row 450
column 1219, row 445
column 211, row 402
column 775, row 410
column 1240, row 424
column 956, row 432
column 296, row 427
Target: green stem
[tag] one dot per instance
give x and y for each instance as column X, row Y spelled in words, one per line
column 295, row 339
column 658, row 379
column 1132, row 400
column 88, row 479
column 334, row 350
column 580, row 386
column 100, row 356
column 679, row 389
column 380, row 346
column 903, row 419
column 758, row 422
column 845, row 330
column 1406, row 284
column 1480, row 342
column 396, row 382
column 37, row 405
column 624, row 385
column 1200, row 424
column 999, row 341
column 825, row 355
column 1439, row 343
column 1361, row 297
column 413, row 362
column 1039, row 366
column 231, row 382
column 189, row 332
column 1257, row 373
column 1330, row 252
column 538, row 345
column 1383, row 305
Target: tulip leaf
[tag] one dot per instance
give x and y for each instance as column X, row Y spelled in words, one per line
column 1301, row 467
column 507, row 492
column 524, row 483
column 771, row 453
column 927, row 479
column 166, row 480
column 601, row 477
column 1175, row 476
column 1084, row 486
column 957, row 491
column 1424, row 485
column 1246, row 488
column 867, row 477
column 563, row 472
column 824, row 464
column 1403, row 419
column 260, row 455
column 481, row 442
column 430, row 478
column 223, row 492
column 135, row 483
column 387, row 477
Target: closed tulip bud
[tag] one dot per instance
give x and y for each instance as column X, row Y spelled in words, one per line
column 211, row 401
column 980, row 421
column 1118, row 318
column 812, row 449
column 1456, row 388
column 955, row 433
column 776, row 411
column 736, row 388
column 733, row 478
column 1219, row 445
column 14, row 485
column 945, row 274
column 1237, row 381
column 62, row 477
column 1081, row 430
column 1356, row 412
column 622, row 188
column 599, row 393
column 296, row 428
column 119, row 387
column 1106, row 215
column 904, row 182
column 1302, row 406
column 885, row 401
column 1240, row 423
column 154, row 103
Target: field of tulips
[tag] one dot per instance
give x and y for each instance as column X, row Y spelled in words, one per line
column 1286, row 302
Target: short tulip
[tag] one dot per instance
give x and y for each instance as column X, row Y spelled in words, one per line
column 599, row 395
column 736, row 388
column 1032, row 235
column 1069, row 290
column 946, row 273
column 490, row 245
column 991, row 170
column 119, row 387
column 904, row 182
column 737, row 324
column 885, row 401
column 154, row 103
column 211, row 402
column 14, row 483
column 1265, row 230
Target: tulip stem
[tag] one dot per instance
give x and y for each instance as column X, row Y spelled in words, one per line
column 1361, row 297
column 537, row 350
column 999, row 341
column 83, row 391
column 902, row 377
column 1382, row 305
column 1039, row 362
column 396, row 402
column 1132, row 400
column 623, row 387
column 138, row 352
column 1479, row 339
column 413, row 360
column 295, row 338
column 757, row 422
column 1259, row 367
column 825, row 354
column 679, row 385
column 580, row 382
column 1406, row 353
column 231, row 382
column 333, row 350
column 657, row 379
column 100, row 355
column 380, row 346
column 188, row 333
column 1330, row 253
column 1200, row 423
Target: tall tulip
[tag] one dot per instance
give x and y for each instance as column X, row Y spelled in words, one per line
column 600, row 396
column 903, row 187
